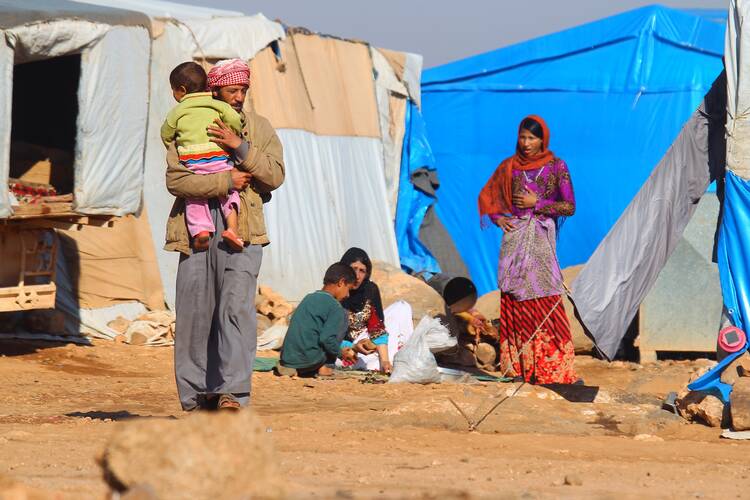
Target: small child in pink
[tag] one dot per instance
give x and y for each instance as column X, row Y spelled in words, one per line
column 186, row 125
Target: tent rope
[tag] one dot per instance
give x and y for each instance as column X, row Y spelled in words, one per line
column 301, row 72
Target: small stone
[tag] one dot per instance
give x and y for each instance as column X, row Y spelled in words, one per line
column 119, row 324
column 648, row 437
column 700, row 407
column 732, row 372
column 573, row 480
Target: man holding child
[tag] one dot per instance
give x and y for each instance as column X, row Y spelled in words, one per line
column 215, row 332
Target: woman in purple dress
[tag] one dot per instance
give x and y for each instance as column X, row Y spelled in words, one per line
column 526, row 197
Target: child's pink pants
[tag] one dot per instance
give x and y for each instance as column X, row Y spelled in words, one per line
column 197, row 211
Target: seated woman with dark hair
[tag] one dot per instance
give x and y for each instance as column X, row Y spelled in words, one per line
column 364, row 307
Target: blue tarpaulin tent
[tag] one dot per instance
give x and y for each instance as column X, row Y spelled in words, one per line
column 615, row 94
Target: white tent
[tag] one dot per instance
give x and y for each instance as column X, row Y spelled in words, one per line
column 114, row 47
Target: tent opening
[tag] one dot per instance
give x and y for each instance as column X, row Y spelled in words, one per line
column 43, row 133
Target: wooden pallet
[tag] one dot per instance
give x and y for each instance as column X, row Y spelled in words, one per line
column 38, row 258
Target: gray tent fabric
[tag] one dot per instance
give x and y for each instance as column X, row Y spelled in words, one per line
column 426, row 181
column 14, row 13
column 626, row 264
column 438, row 241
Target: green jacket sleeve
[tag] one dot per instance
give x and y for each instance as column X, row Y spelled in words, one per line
column 183, row 183
column 168, row 129
column 330, row 333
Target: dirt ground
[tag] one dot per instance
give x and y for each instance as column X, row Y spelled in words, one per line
column 345, row 439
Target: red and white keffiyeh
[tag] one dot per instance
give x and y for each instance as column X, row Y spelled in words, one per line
column 229, row 72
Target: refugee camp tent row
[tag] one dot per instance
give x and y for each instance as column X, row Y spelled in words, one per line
column 615, row 94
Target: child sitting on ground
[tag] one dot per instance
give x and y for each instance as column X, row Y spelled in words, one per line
column 317, row 327
column 186, row 125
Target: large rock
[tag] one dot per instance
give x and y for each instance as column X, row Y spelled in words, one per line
column 739, row 404
column 396, row 285
column 700, row 407
column 219, row 455
column 489, row 305
column 732, row 372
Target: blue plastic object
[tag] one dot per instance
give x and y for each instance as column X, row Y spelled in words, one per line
column 412, row 203
column 734, row 249
column 615, row 94
column 710, row 381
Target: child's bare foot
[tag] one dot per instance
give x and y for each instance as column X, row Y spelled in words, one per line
column 325, row 371
column 201, row 241
column 234, row 241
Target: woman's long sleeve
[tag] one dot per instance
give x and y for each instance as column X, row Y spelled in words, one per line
column 565, row 205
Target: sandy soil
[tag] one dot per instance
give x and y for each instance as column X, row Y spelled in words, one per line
column 346, row 439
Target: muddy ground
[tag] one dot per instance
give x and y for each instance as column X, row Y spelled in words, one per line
column 346, row 439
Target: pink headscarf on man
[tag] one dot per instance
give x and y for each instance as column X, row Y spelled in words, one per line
column 229, row 72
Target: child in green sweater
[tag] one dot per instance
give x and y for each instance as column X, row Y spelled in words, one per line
column 318, row 326
column 186, row 125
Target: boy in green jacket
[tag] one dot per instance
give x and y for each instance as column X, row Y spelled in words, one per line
column 318, row 326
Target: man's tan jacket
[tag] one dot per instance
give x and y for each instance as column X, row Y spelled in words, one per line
column 265, row 161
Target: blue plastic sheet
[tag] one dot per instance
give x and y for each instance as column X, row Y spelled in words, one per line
column 734, row 249
column 615, row 94
column 413, row 203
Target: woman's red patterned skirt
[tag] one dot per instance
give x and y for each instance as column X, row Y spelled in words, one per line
column 548, row 358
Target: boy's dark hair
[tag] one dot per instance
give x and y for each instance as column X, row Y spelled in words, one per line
column 189, row 75
column 338, row 272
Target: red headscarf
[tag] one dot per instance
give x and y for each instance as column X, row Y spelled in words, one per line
column 496, row 196
column 229, row 72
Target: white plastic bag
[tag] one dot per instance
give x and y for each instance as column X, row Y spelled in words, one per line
column 415, row 361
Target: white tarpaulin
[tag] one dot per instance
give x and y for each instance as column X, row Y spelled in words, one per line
column 53, row 38
column 738, row 91
column 390, row 91
column 165, row 10
column 111, row 132
column 6, row 101
column 228, row 37
column 333, row 198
